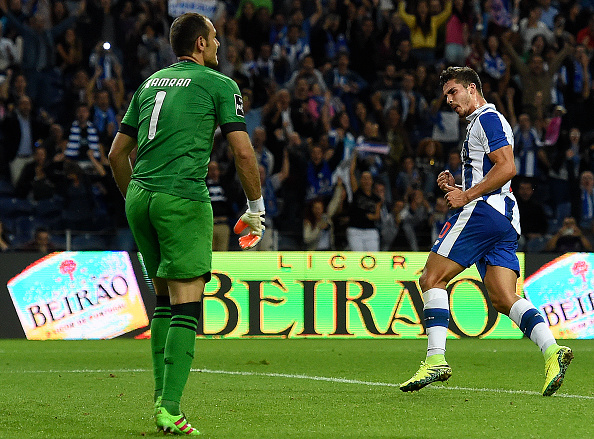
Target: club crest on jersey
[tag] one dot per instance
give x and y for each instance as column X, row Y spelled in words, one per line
column 239, row 105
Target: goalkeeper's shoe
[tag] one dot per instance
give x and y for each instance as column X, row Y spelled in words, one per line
column 555, row 367
column 175, row 424
column 427, row 374
column 157, row 405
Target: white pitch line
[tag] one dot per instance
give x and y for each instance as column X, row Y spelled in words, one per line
column 307, row 377
column 75, row 371
column 381, row 384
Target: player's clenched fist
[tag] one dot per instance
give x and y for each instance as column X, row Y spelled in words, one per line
column 445, row 180
column 254, row 219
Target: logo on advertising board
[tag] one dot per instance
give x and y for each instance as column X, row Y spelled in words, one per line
column 339, row 294
column 78, row 295
column 563, row 292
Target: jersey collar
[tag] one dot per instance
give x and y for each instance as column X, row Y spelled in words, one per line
column 478, row 111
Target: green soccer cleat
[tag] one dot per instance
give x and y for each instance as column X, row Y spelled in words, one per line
column 555, row 367
column 156, row 406
column 175, row 424
column 427, row 374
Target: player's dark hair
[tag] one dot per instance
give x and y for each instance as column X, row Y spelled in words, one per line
column 462, row 75
column 184, row 32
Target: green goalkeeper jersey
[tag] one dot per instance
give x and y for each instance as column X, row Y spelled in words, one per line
column 173, row 115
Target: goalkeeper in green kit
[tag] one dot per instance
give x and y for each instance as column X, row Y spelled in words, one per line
column 172, row 119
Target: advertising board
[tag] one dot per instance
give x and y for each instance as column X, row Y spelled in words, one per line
column 328, row 294
column 251, row 294
column 562, row 289
column 78, row 295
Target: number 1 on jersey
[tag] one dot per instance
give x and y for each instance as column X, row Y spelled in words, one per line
column 159, row 98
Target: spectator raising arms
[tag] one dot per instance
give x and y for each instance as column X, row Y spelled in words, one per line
column 424, row 27
column 318, row 227
column 39, row 46
column 362, row 234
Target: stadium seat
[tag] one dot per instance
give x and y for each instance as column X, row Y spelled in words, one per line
column 536, row 245
column 59, row 239
column 563, row 211
column 88, row 241
column 25, row 228
column 122, row 240
column 14, row 207
column 48, row 208
column 10, row 230
column 6, row 189
column 553, row 226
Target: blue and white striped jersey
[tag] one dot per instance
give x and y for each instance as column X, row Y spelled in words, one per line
column 526, row 147
column 488, row 131
column 77, row 138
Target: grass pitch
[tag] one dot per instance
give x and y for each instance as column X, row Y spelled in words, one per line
column 262, row 388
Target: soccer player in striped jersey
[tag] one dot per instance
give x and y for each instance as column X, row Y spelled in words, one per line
column 483, row 231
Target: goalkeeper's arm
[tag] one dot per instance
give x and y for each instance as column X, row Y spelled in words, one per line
column 119, row 160
column 249, row 175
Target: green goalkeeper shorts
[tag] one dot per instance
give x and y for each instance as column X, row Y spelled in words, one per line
column 173, row 234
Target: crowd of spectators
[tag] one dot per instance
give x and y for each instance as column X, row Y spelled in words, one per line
column 342, row 103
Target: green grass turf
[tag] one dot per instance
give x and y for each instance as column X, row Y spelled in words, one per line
column 103, row 389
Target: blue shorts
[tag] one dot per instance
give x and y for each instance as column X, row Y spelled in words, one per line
column 479, row 234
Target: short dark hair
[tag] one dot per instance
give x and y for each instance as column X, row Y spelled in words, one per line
column 184, row 32
column 41, row 229
column 462, row 75
column 81, row 104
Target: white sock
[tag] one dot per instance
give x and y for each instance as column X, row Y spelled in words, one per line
column 532, row 324
column 437, row 317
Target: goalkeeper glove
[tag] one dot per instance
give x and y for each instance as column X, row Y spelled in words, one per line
column 254, row 219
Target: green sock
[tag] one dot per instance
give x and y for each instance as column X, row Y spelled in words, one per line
column 179, row 353
column 550, row 350
column 435, row 360
column 159, row 329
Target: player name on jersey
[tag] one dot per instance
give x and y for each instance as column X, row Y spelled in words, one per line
column 168, row 82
